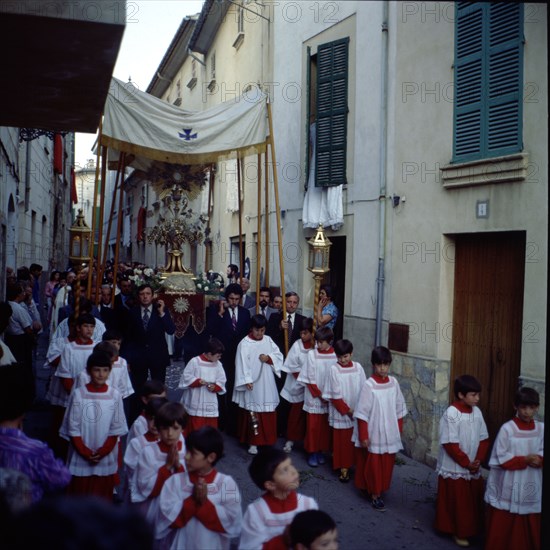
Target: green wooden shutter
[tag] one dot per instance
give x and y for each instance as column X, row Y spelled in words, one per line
column 505, row 68
column 308, row 116
column 332, row 113
column 488, row 80
column 468, row 81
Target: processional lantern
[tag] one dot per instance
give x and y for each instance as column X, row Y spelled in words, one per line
column 318, row 260
column 80, row 237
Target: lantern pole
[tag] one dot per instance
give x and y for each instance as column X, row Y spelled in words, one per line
column 318, row 264
column 79, row 253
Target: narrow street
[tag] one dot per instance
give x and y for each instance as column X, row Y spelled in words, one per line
column 407, row 523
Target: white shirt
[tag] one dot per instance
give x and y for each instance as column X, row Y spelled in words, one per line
column 19, row 320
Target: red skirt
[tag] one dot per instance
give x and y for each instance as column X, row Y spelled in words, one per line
column 378, row 472
column 507, row 531
column 296, row 427
column 267, row 428
column 360, row 461
column 459, row 509
column 101, row 486
column 317, row 433
column 342, row 448
column 196, row 422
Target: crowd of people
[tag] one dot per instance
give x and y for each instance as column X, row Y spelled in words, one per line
column 257, row 376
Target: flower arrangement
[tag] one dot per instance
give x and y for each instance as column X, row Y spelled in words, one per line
column 206, row 285
column 147, row 276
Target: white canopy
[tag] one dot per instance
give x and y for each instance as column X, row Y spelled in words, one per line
column 142, row 125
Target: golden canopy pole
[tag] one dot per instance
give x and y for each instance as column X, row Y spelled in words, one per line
column 100, row 264
column 266, row 176
column 115, row 267
column 96, row 185
column 271, row 142
column 119, row 221
column 241, row 259
column 259, row 234
column 208, row 247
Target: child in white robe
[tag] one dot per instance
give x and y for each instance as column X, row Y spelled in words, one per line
column 344, row 382
column 203, row 379
column 151, row 388
column 514, row 486
column 313, row 530
column 120, row 376
column 313, row 376
column 267, row 518
column 380, row 411
column 159, row 461
column 93, row 422
column 72, row 361
column 293, row 391
column 258, row 360
column 464, row 442
column 134, row 448
column 200, row 508
column 71, row 358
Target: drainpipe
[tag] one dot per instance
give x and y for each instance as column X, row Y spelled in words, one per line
column 383, row 174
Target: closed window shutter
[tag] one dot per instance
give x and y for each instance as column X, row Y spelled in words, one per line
column 505, row 78
column 332, row 113
column 488, row 80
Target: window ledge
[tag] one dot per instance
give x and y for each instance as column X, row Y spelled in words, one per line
column 239, row 40
column 506, row 169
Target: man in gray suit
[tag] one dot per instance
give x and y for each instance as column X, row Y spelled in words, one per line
column 247, row 301
column 264, row 308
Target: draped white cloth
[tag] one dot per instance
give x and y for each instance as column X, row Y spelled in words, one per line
column 322, row 205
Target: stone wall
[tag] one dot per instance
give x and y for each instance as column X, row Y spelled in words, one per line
column 425, row 385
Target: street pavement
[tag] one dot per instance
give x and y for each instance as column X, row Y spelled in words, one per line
column 406, row 524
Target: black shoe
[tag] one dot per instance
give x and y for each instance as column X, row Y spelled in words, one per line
column 378, row 504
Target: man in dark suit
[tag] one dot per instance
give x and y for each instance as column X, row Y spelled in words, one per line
column 104, row 309
column 276, row 327
column 124, row 302
column 144, row 346
column 229, row 322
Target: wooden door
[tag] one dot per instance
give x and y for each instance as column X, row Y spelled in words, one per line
column 487, row 318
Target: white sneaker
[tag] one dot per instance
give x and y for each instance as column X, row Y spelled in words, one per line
column 288, row 446
column 252, row 450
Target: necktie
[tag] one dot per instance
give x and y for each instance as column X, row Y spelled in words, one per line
column 263, row 311
column 289, row 323
column 145, row 318
column 233, row 319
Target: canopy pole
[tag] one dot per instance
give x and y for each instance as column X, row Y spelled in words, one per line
column 271, row 142
column 208, row 243
column 105, row 250
column 266, row 176
column 241, row 259
column 94, row 209
column 259, row 234
column 100, row 264
column 119, row 220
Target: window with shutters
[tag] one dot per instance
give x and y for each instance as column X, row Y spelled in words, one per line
column 488, row 80
column 330, row 112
